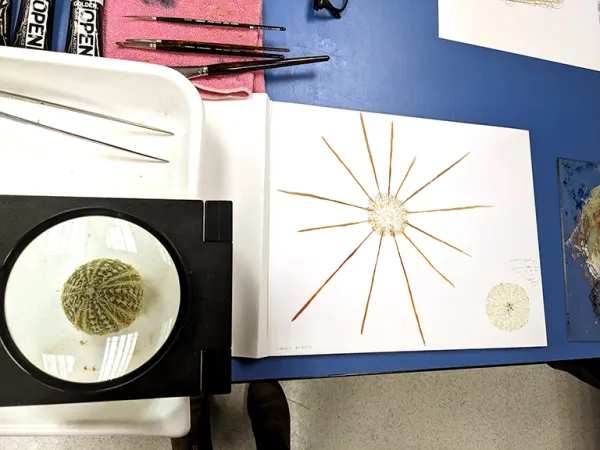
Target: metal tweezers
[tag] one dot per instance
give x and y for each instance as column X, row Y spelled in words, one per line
column 39, row 101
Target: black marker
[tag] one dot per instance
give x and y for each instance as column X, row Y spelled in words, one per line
column 34, row 26
column 5, row 16
column 84, row 36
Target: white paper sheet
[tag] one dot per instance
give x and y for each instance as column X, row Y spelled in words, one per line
column 502, row 240
column 233, row 168
column 566, row 31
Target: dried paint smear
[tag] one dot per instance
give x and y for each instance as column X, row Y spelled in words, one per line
column 163, row 3
column 585, row 239
column 508, row 307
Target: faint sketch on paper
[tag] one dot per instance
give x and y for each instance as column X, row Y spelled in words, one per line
column 579, row 183
column 507, row 307
column 563, row 31
column 555, row 4
column 387, row 216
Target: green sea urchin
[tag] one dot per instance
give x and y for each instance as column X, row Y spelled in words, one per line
column 103, row 296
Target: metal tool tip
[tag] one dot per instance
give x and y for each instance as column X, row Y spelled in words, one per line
column 142, row 41
column 141, row 17
column 139, row 43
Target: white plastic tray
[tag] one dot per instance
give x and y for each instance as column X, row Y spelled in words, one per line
column 159, row 417
column 38, row 162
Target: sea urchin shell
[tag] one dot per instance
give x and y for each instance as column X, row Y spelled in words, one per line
column 103, row 296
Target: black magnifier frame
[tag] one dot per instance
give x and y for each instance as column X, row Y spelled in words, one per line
column 101, row 386
column 326, row 4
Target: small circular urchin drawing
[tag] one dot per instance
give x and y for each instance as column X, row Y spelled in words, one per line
column 508, row 307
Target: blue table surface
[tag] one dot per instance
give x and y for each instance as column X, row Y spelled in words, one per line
column 387, row 57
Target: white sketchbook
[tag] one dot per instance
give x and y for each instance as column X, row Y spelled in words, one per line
column 565, row 31
column 463, row 220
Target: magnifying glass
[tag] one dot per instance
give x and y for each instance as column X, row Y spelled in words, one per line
column 90, row 301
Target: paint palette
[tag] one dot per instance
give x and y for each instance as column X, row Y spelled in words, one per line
column 579, row 185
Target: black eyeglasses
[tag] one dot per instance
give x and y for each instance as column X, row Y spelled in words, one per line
column 326, row 4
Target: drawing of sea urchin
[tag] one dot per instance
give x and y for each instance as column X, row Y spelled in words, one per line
column 389, row 217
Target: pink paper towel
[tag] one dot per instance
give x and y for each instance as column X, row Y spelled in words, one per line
column 118, row 28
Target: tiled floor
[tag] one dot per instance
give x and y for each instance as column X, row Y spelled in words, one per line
column 505, row 408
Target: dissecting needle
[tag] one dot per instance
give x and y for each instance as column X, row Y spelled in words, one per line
column 68, row 133
column 81, row 111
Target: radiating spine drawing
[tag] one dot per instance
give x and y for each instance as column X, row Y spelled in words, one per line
column 388, row 217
